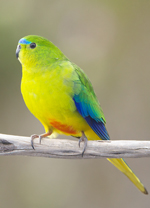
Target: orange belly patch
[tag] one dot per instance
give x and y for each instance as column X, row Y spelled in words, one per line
column 63, row 127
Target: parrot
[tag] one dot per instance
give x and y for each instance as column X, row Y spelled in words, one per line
column 60, row 95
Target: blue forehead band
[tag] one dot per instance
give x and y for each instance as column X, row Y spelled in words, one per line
column 24, row 41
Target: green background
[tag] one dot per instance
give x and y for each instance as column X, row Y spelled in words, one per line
column 110, row 41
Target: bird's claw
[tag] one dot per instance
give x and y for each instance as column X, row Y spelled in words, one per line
column 80, row 140
column 40, row 139
column 34, row 136
column 84, row 139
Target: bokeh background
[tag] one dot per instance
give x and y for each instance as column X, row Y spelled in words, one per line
column 110, row 41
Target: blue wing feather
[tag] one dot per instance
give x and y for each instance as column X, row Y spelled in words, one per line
column 88, row 114
column 87, row 103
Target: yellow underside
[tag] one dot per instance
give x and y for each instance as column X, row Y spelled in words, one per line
column 50, row 103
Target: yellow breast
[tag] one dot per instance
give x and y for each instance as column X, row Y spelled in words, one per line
column 49, row 98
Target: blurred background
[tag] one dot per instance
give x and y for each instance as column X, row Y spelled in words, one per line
column 110, row 41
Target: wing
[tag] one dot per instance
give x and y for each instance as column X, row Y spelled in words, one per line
column 87, row 104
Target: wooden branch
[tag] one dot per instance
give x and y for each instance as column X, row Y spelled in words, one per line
column 56, row 148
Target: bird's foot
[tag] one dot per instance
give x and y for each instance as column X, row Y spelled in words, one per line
column 34, row 136
column 84, row 139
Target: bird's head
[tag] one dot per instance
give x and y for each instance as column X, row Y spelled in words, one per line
column 34, row 50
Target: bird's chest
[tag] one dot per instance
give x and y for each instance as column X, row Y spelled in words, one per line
column 48, row 96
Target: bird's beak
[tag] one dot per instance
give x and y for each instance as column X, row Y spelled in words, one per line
column 18, row 50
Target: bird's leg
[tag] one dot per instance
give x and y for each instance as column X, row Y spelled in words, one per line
column 84, row 139
column 34, row 136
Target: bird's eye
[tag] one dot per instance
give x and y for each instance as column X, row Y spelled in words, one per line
column 32, row 45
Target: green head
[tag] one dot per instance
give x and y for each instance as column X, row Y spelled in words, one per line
column 35, row 51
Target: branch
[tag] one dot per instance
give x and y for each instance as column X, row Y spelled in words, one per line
column 56, row 148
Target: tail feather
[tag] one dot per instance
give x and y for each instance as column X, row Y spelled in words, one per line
column 123, row 167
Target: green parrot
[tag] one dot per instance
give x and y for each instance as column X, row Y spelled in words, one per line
column 60, row 95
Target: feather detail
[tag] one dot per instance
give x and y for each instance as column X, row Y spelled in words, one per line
column 97, row 124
